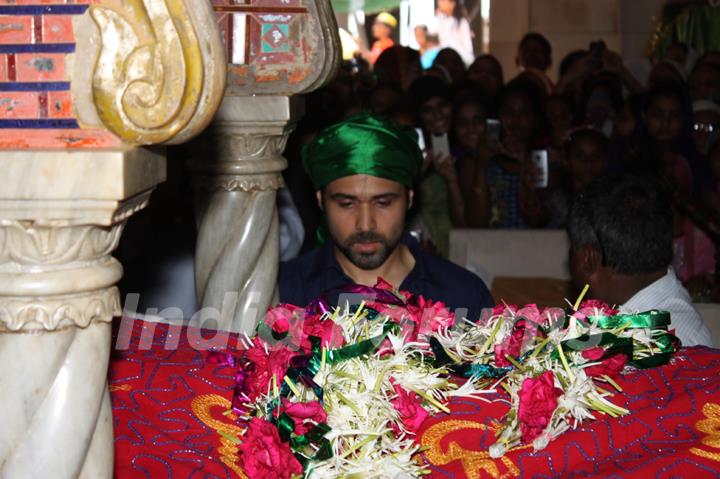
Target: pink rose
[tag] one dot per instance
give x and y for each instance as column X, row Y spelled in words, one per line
column 504, row 310
column 531, row 312
column 330, row 334
column 432, row 316
column 264, row 456
column 594, row 307
column 593, row 354
column 408, row 404
column 523, row 333
column 305, row 414
column 611, row 366
column 283, row 319
column 538, row 400
column 262, row 366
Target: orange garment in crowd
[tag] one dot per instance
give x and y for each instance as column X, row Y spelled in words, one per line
column 378, row 47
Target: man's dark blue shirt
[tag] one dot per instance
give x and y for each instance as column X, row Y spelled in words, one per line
column 317, row 272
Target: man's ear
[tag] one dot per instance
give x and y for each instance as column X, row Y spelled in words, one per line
column 411, row 195
column 590, row 263
column 319, row 196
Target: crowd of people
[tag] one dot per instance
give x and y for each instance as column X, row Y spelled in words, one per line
column 517, row 152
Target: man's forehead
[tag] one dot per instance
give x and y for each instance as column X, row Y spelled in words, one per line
column 363, row 185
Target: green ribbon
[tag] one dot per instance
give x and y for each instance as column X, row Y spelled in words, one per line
column 315, row 436
column 362, row 348
column 305, row 374
column 648, row 320
column 657, row 321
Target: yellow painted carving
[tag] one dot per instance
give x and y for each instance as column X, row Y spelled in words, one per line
column 148, row 78
column 202, row 407
column 711, row 427
column 473, row 462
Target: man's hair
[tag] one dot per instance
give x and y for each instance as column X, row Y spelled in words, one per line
column 628, row 219
column 535, row 37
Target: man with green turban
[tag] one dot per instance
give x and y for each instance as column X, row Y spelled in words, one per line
column 363, row 171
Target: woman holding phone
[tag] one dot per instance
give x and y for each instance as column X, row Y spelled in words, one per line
column 513, row 179
column 440, row 203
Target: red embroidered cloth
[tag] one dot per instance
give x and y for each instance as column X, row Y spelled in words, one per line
column 168, row 416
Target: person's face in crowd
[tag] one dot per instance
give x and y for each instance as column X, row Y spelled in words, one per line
column 677, row 54
column 446, row 6
column 704, row 83
column 517, row 117
column 436, row 115
column 487, row 74
column 664, row 118
column 705, row 127
column 534, row 55
column 470, row 125
column 451, row 61
column 560, row 118
column 366, row 217
column 587, row 160
column 421, row 37
column 664, row 72
column 599, row 108
column 625, row 121
column 381, row 31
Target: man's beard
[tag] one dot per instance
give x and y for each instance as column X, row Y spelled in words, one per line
column 367, row 261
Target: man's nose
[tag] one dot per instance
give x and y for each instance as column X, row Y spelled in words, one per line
column 366, row 219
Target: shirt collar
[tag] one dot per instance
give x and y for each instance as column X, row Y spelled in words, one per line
column 650, row 292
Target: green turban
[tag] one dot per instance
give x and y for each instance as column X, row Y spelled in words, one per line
column 363, row 145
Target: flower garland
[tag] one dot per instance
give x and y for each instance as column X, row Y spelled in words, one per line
column 330, row 392
column 550, row 363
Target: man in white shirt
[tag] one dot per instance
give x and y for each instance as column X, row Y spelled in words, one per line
column 620, row 231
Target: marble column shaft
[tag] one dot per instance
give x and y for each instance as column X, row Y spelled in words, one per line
column 237, row 170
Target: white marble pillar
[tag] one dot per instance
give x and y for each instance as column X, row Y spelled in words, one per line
column 61, row 216
column 237, row 170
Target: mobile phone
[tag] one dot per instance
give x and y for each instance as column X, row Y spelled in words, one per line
column 492, row 129
column 421, row 140
column 440, row 146
column 539, row 161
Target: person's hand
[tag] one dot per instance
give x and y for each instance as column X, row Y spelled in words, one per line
column 445, row 167
column 513, row 149
column 530, row 174
column 427, row 159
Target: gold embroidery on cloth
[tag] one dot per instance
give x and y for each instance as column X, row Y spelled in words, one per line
column 115, row 388
column 711, row 427
column 473, row 462
column 202, row 407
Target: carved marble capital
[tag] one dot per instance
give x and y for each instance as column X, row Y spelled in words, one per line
column 58, row 229
column 242, row 151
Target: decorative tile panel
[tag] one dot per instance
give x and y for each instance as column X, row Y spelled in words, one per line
column 281, row 46
column 36, row 36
